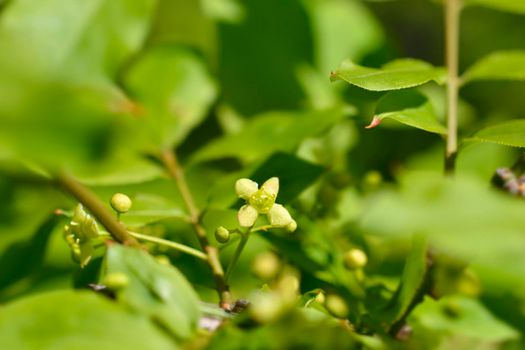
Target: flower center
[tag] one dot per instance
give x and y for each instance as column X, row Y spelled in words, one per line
column 262, row 201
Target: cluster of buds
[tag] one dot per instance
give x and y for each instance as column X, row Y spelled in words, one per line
column 510, row 182
column 79, row 234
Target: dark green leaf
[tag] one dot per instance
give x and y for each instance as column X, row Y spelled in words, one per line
column 399, row 74
column 334, row 19
column 295, row 174
column 157, row 290
column 22, row 259
column 65, row 320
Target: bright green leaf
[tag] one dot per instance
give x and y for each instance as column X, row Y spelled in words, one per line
column 509, row 133
column 155, row 289
column 503, row 65
column 516, row 6
column 398, row 74
column 175, row 89
column 267, row 133
column 421, row 116
column 65, row 320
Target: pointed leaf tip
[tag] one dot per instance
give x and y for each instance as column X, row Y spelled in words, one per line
column 375, row 122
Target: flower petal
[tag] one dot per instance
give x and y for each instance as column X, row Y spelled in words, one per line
column 245, row 188
column 271, row 186
column 247, row 215
column 279, row 216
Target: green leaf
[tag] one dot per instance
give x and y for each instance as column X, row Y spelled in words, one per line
column 412, row 281
column 421, row 116
column 157, row 290
column 508, row 133
column 175, row 89
column 459, row 315
column 21, row 259
column 66, row 320
column 295, row 174
column 515, row 6
column 268, row 133
column 398, row 74
column 502, row 65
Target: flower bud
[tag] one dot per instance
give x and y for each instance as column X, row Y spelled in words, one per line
column 355, row 259
column 222, row 235
column 266, row 266
column 320, row 297
column 116, row 280
column 120, row 203
column 336, row 306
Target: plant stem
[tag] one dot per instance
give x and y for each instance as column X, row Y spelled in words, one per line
column 180, row 247
column 452, row 17
column 97, row 208
column 237, row 253
column 169, row 159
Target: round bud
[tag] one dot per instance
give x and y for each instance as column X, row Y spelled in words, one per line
column 116, row 280
column 266, row 266
column 120, row 203
column 320, row 298
column 222, row 235
column 292, row 226
column 355, row 259
column 336, row 306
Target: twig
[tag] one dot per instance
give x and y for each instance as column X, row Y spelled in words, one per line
column 235, row 257
column 97, row 208
column 452, row 16
column 171, row 164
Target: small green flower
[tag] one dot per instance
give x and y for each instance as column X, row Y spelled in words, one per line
column 79, row 234
column 262, row 201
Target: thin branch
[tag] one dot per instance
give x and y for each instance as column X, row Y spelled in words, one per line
column 171, row 164
column 452, row 17
column 237, row 253
column 97, row 208
column 177, row 246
